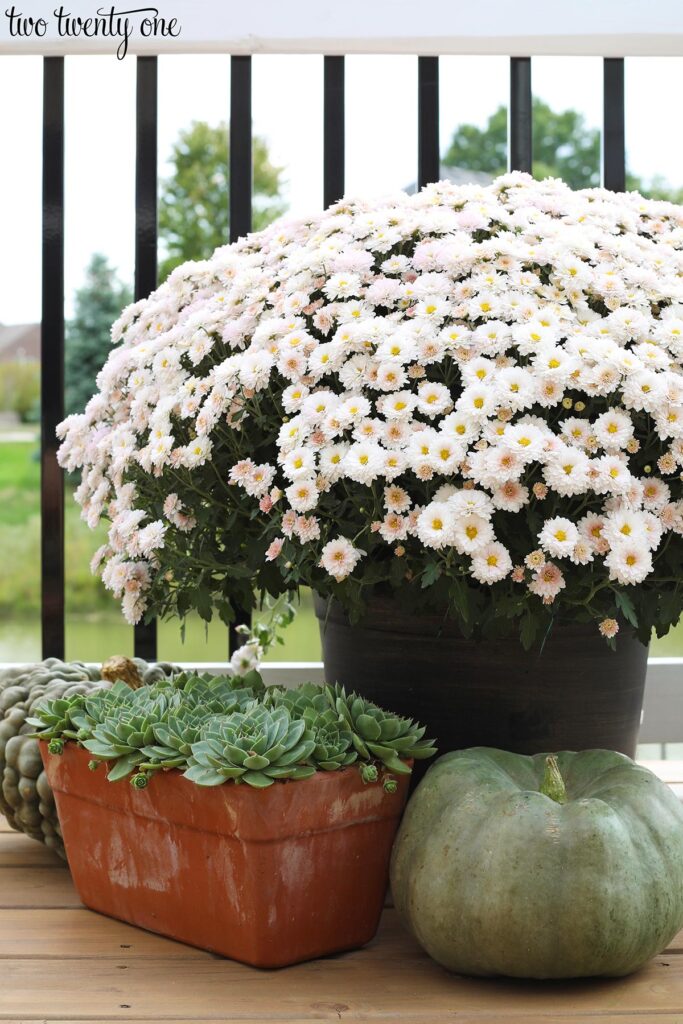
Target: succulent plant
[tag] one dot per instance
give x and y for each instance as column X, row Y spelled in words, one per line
column 380, row 734
column 333, row 740
column 256, row 746
column 220, row 728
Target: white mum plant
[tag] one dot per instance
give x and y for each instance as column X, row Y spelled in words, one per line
column 471, row 397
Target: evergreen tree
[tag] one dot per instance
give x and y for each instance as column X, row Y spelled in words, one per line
column 98, row 304
column 193, row 205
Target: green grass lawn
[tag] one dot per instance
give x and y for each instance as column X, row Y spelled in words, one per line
column 95, row 628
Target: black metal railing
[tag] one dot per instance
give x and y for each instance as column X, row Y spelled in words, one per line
column 520, row 151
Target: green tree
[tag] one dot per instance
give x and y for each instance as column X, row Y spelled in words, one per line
column 87, row 341
column 564, row 146
column 193, row 206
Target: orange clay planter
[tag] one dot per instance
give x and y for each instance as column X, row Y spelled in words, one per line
column 266, row 876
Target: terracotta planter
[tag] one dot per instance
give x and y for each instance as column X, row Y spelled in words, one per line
column 269, row 877
column 576, row 695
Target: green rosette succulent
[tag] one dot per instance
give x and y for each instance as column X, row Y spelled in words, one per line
column 379, row 734
column 333, row 740
column 298, row 701
column 256, row 746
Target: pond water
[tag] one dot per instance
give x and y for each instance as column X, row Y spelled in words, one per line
column 96, row 637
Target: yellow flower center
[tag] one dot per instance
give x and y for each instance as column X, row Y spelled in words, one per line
column 560, row 535
column 471, row 532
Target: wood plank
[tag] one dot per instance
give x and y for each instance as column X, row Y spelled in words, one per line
column 344, row 1018
column 17, row 850
column 37, row 887
column 337, row 988
column 83, row 934
column 340, row 1016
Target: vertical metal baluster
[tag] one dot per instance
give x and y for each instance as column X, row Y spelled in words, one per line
column 613, row 133
column 52, row 362
column 241, row 175
column 146, row 241
column 428, row 157
column 333, row 130
column 520, row 154
column 241, row 170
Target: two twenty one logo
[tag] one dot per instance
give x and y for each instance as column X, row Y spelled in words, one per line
column 104, row 24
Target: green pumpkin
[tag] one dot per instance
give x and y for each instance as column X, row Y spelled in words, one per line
column 540, row 867
column 26, row 799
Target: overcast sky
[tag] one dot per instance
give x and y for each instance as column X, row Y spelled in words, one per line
column 287, row 109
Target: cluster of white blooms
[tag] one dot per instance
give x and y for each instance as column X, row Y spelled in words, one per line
column 445, row 361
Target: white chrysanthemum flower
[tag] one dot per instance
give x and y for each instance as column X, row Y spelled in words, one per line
column 398, row 406
column 445, row 454
column 397, row 500
column 435, row 524
column 558, row 537
column 613, row 429
column 629, row 562
column 656, row 494
column 576, row 431
column 433, row 399
column 567, row 471
column 622, row 525
column 469, row 501
column 331, row 460
column 510, row 496
column 516, row 388
column 491, row 563
column 547, row 582
column 591, row 527
column 197, row 452
column 363, row 462
column 339, row 558
column 460, row 425
column 393, row 528
column 525, row 440
column 302, row 495
column 477, row 402
column 612, row 475
column 299, row 462
column 471, row 532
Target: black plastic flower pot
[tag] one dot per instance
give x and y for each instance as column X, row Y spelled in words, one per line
column 575, row 694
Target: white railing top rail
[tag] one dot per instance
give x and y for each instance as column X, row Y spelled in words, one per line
column 608, row 28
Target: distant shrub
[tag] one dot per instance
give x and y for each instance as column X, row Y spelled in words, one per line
column 20, row 388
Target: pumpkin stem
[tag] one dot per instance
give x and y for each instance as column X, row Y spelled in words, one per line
column 553, row 783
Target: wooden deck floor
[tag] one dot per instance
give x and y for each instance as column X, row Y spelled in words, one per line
column 61, row 962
